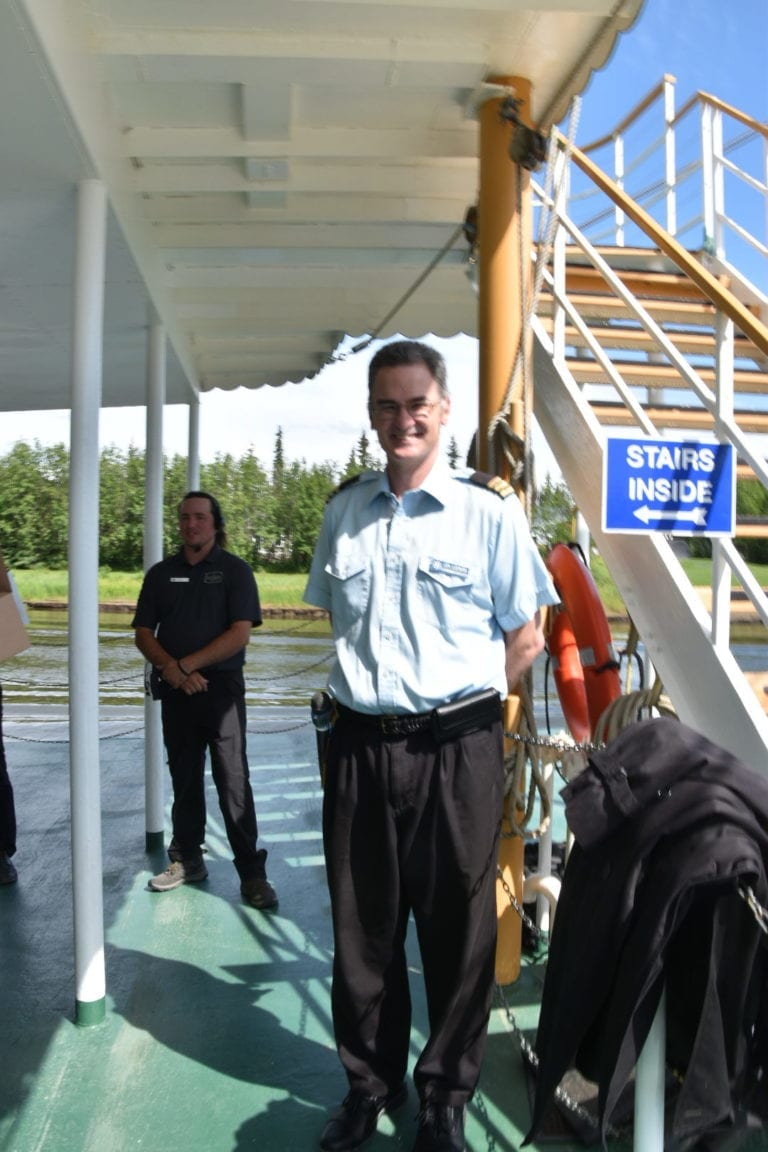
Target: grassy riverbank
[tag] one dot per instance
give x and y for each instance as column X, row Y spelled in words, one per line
column 43, row 586
column 285, row 589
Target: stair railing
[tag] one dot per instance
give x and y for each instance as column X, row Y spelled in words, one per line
column 731, row 312
column 705, row 180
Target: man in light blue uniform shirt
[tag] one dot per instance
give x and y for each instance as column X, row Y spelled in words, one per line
column 434, row 587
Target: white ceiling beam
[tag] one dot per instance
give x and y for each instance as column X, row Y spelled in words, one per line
column 272, row 277
column 64, row 58
column 277, row 208
column 361, row 313
column 344, row 143
column 447, row 178
column 184, row 48
column 304, row 235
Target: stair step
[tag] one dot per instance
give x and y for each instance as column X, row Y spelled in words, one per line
column 624, row 337
column 752, row 527
column 592, row 306
column 647, row 375
column 675, row 416
column 663, row 285
column 629, row 259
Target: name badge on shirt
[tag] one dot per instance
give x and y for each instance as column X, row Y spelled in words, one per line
column 445, row 568
column 179, row 579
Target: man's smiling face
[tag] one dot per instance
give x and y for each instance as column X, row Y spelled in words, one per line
column 407, row 412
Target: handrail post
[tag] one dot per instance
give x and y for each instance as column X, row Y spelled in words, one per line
column 562, row 177
column 670, row 161
column 719, row 183
column 707, row 178
column 618, row 170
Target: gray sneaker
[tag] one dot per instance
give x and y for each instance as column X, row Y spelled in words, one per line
column 177, row 874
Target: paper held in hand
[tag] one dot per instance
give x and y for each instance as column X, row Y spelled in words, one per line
column 13, row 633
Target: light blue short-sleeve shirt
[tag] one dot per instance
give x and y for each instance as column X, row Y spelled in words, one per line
column 422, row 589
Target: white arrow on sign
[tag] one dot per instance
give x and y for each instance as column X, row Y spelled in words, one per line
column 695, row 515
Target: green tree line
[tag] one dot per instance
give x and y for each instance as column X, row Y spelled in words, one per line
column 272, row 517
column 273, row 513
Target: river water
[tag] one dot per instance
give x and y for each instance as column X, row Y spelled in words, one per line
column 288, row 660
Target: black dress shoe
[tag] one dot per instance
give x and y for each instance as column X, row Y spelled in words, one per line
column 441, row 1129
column 356, row 1120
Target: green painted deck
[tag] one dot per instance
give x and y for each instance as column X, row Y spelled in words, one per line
column 217, row 1035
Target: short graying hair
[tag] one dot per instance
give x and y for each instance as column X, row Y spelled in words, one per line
column 402, row 352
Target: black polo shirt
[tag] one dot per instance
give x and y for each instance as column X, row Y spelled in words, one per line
column 188, row 605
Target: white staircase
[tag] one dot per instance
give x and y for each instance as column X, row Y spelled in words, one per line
column 668, row 341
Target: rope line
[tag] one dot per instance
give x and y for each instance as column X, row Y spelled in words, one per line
column 131, row 677
column 135, row 731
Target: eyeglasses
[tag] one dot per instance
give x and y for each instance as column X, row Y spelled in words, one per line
column 418, row 409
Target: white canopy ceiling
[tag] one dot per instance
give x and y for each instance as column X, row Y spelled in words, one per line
column 280, row 172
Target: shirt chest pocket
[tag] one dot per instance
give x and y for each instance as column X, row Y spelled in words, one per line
column 446, row 590
column 350, row 581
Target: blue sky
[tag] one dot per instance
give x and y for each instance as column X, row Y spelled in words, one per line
column 719, row 46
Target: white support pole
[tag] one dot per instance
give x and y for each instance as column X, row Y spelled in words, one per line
column 708, row 178
column 583, row 538
column 562, row 183
column 85, row 784
column 649, row 1086
column 670, row 160
column 719, row 183
column 193, row 446
column 153, row 551
column 618, row 168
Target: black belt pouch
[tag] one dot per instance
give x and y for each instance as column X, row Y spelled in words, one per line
column 468, row 715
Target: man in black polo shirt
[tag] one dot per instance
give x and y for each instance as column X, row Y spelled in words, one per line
column 193, row 622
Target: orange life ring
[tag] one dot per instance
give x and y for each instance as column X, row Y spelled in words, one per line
column 569, row 676
column 599, row 667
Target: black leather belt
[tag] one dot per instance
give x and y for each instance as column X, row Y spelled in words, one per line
column 445, row 723
column 400, row 725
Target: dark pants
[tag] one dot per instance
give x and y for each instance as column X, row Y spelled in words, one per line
column 212, row 721
column 412, row 826
column 7, row 808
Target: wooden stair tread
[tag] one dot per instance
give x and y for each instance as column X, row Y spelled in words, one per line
column 665, row 285
column 675, row 416
column 646, row 374
column 597, row 307
column 632, row 337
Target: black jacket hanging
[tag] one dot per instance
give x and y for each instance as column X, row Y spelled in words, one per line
column 671, row 832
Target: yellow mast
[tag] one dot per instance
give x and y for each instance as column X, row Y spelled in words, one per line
column 504, row 246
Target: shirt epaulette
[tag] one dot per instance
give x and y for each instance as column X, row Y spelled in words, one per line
column 345, row 484
column 493, row 483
